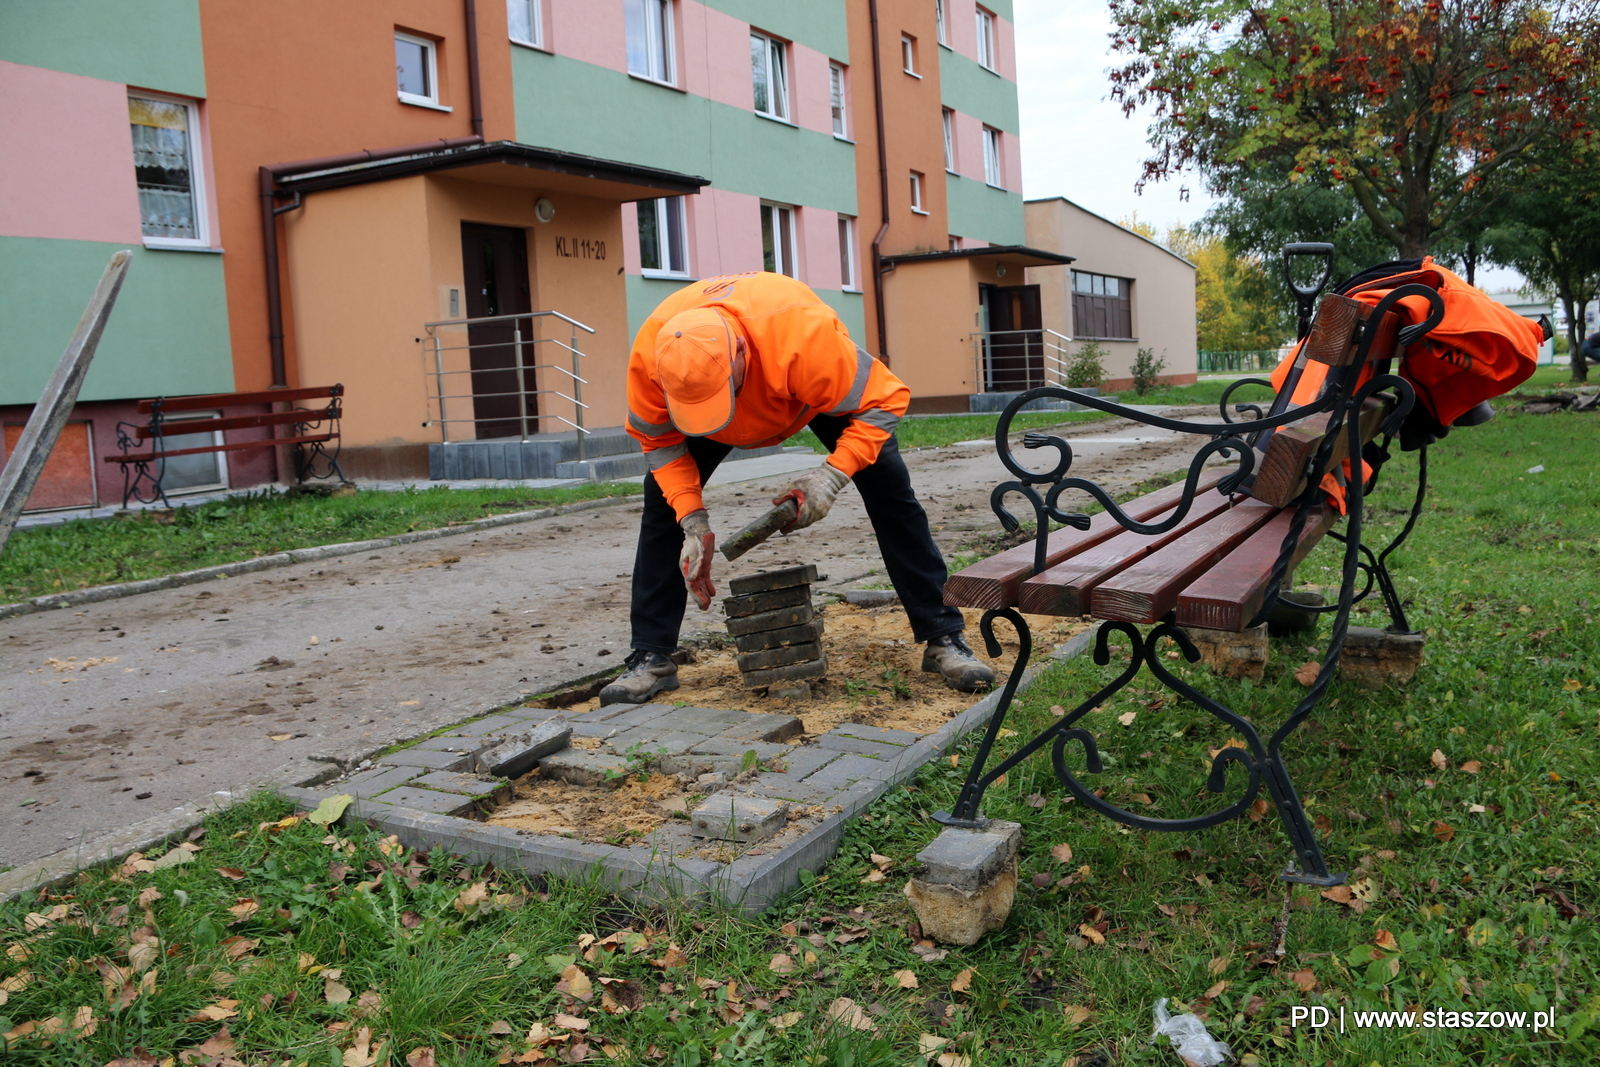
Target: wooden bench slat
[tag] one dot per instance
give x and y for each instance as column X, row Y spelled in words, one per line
column 1068, row 588
column 145, row 457
column 996, row 582
column 1281, row 477
column 1148, row 590
column 239, row 422
column 217, row 400
column 1228, row 595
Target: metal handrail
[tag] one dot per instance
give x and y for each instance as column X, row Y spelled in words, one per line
column 521, row 367
column 1053, row 351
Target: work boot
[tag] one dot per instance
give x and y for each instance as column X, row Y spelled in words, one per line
column 950, row 656
column 644, row 675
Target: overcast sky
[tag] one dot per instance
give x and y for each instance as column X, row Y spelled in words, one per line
column 1076, row 142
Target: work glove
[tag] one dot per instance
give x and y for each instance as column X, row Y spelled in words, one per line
column 813, row 494
column 695, row 559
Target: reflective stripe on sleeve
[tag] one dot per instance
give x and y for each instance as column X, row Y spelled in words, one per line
column 883, row 420
column 852, row 399
column 660, row 457
column 649, row 429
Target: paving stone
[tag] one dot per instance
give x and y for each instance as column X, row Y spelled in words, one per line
column 375, row 781
column 637, row 714
column 727, row 746
column 967, row 859
column 802, row 760
column 652, row 742
column 763, row 727
column 770, row 620
column 871, row 598
column 586, row 728
column 804, row 574
column 760, row 603
column 427, row 757
column 876, row 733
column 787, row 787
column 472, row 785
column 792, row 673
column 847, row 769
column 494, row 724
column 746, row 819
column 581, row 767
column 846, row 743
column 515, row 755
column 427, row 800
column 778, row 657
column 806, row 633
column 461, row 746
column 708, row 720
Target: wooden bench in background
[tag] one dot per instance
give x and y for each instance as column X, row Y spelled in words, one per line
column 310, row 431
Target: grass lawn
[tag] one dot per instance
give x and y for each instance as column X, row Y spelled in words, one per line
column 1463, row 806
column 85, row 552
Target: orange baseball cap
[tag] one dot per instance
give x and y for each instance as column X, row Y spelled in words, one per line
column 694, row 365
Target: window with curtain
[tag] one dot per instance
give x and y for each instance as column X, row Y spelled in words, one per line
column 524, row 23
column 663, row 243
column 777, row 239
column 1102, row 305
column 769, row 71
column 649, row 29
column 164, row 168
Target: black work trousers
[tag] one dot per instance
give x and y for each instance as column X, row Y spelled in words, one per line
column 909, row 555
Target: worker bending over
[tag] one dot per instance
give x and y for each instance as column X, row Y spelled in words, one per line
column 748, row 360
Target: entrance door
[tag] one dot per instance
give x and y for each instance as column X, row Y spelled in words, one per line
column 495, row 265
column 1014, row 349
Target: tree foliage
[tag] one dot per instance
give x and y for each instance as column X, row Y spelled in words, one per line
column 1239, row 301
column 1424, row 110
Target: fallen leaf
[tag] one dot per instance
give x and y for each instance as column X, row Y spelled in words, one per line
column 927, row 952
column 846, row 1011
column 875, row 875
column 361, row 1053
column 1444, row 832
column 284, row 737
column 214, row 1048
column 1385, row 940
column 787, row 1019
column 1477, row 809
column 1076, row 1014
column 1142, row 798
column 368, row 1003
column 673, row 957
column 906, row 979
column 231, row 873
column 1438, row 760
column 470, row 901
column 1305, row 980
column 928, row 1044
column 222, row 1009
column 953, row 1059
column 243, row 910
column 1218, row 964
column 1216, row 991
column 1062, row 853
column 1307, row 674
column 570, row 1022
column 576, row 984
column 881, row 861
column 333, row 990
column 1472, row 766
column 422, row 1056
column 782, row 963
column 1127, row 717
column 173, row 858
column 963, row 982
column 331, row 808
column 1091, row 933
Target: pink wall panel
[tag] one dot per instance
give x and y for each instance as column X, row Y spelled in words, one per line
column 819, row 248
column 631, row 261
column 67, row 165
column 723, row 63
column 961, row 27
column 594, row 33
column 725, row 233
column 969, row 146
column 808, row 89
column 1005, row 41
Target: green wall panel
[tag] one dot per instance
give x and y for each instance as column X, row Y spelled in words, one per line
column 818, row 24
column 972, row 90
column 579, row 107
column 168, row 333
column 153, row 44
column 851, row 309
column 645, row 293
column 980, row 211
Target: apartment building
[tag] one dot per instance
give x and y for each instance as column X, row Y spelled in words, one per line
column 434, row 202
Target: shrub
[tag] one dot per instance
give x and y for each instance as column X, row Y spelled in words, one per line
column 1086, row 369
column 1147, row 368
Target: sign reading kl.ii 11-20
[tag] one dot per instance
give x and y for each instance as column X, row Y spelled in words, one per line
column 580, row 248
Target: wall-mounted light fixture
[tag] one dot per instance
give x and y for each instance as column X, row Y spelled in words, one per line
column 1000, row 270
column 543, row 209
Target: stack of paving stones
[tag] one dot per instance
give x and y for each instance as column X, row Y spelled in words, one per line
column 778, row 635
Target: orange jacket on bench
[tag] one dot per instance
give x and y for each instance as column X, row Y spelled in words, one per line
column 800, row 363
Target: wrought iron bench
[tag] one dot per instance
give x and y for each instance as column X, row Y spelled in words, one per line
column 1211, row 552
column 310, row 430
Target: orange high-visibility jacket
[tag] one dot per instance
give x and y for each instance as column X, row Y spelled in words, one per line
column 800, row 364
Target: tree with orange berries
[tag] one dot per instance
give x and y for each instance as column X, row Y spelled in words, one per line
column 1426, row 111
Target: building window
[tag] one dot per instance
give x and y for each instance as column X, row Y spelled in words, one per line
column 985, row 38
column 663, row 245
column 991, row 157
column 916, row 192
column 193, row 473
column 416, row 69
column 949, row 140
column 524, row 22
column 777, row 239
column 847, row 254
column 836, row 96
column 938, row 20
column 649, row 25
column 770, row 73
column 955, row 243
column 908, row 54
column 167, row 170
column 1102, row 306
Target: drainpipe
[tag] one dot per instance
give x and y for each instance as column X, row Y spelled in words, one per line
column 270, row 210
column 883, row 188
column 474, row 81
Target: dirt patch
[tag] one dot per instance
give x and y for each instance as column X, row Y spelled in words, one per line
column 616, row 816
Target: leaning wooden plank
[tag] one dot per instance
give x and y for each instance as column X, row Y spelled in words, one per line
column 995, row 582
column 1227, row 596
column 1068, row 588
column 1334, row 338
column 1149, row 589
column 1282, row 475
column 50, row 414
